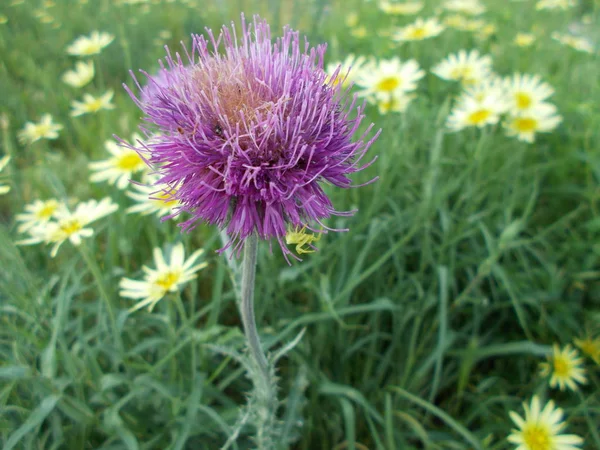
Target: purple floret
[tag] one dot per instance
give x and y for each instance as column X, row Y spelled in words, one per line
column 246, row 136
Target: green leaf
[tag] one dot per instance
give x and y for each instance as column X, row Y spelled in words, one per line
column 35, row 419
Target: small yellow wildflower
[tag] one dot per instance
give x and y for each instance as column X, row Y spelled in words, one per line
column 299, row 237
column 541, row 428
column 352, row 19
column 565, row 368
column 45, row 129
column 524, row 39
column 91, row 104
column 591, row 347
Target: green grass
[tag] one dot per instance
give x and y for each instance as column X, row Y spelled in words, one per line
column 425, row 324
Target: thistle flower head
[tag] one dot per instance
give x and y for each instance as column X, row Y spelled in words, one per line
column 247, row 128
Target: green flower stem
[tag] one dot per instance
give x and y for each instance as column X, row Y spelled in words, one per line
column 262, row 374
column 95, row 269
column 247, row 304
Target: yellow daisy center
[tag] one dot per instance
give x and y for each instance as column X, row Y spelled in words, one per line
column 94, row 105
column 562, row 367
column 537, row 437
column 418, row 33
column 525, row 124
column 589, row 346
column 70, row 226
column 388, row 84
column 91, row 48
column 168, row 280
column 461, row 73
column 162, row 199
column 46, row 211
column 42, row 130
column 129, row 161
column 479, row 116
column 523, row 99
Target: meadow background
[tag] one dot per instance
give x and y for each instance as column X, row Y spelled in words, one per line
column 425, row 324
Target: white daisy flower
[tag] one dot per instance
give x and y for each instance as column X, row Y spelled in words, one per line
column 68, row 225
column 578, row 43
column 152, row 198
column 471, row 7
column 400, row 8
column 91, row 104
column 4, row 188
column 170, row 274
column 120, row 167
column 542, row 118
column 555, row 4
column 45, row 129
column 541, row 428
column 467, row 67
column 348, row 69
column 394, row 103
column 419, row 30
column 526, row 91
column 389, row 77
column 37, row 213
column 92, row 45
column 82, row 75
column 478, row 106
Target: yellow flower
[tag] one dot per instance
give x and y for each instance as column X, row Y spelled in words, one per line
column 67, row 225
column 419, row 30
column 82, row 75
column 45, row 129
column 120, row 167
column 299, row 237
column 541, row 428
column 3, row 162
column 524, row 39
column 359, row 32
column 170, row 274
column 92, row 45
column 590, row 347
column 92, row 104
column 565, row 368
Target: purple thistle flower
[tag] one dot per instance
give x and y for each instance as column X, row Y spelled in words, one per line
column 245, row 137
